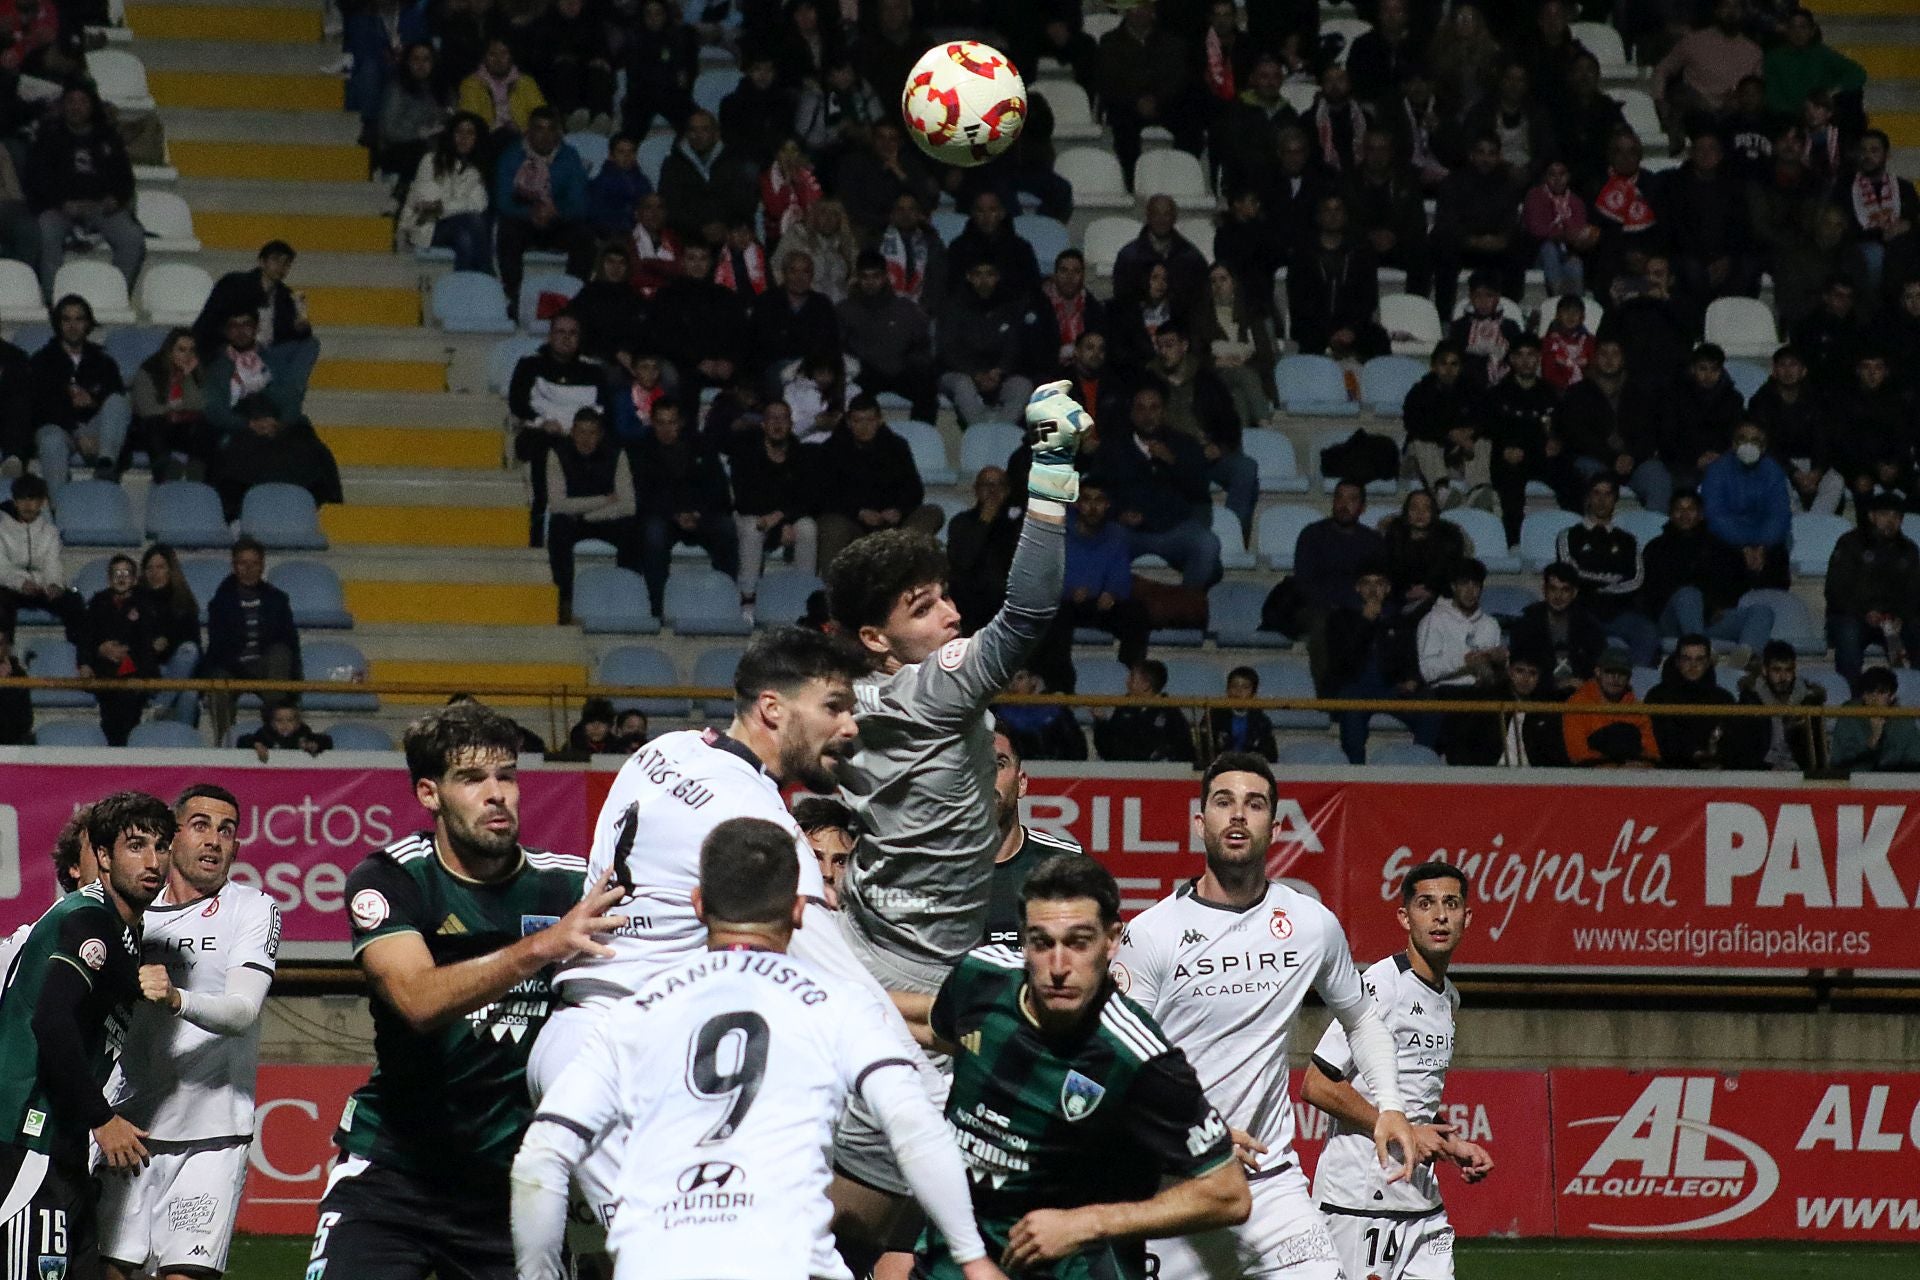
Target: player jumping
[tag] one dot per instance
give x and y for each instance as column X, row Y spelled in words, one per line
column 1223, row 965
column 719, row 1085
column 1398, row 1230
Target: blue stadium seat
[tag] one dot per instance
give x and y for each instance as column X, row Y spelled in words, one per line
column 1272, row 451
column 1233, row 617
column 1486, row 538
column 1176, row 638
column 947, row 223
column 591, row 148
column 470, row 302
column 186, row 513
column 505, row 354
column 987, row 444
column 652, row 153
column 1385, row 381
column 712, row 86
column 1506, row 602
column 1403, row 755
column 132, row 346
column 1838, row 690
column 335, row 660
column 55, row 660
column 31, row 337
column 532, row 286
column 95, row 513
column 1282, row 679
column 1814, row 537
column 1747, row 376
column 352, row 735
column 1277, row 529
column 1233, row 540
column 1792, row 620
column 1644, row 525
column 70, row 733
column 1539, row 533
column 610, row 600
column 1907, row 682
column 1313, row 385
column 1101, row 678
column 640, row 666
column 315, row 592
column 204, row 576
column 781, row 596
column 1048, row 237
column 282, row 516
column 929, row 452
column 1194, row 678
column 89, row 582
column 168, row 735
column 703, row 602
column 714, row 669
column 1311, row 751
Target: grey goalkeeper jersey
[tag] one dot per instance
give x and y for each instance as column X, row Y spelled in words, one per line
column 921, row 780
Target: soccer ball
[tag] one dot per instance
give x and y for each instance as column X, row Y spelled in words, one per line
column 964, row 102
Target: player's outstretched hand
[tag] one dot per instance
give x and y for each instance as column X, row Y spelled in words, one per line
column 1472, row 1158
column 1047, row 1235
column 1248, row 1148
column 981, row 1269
column 1397, row 1145
column 578, row 931
column 1058, row 425
column 1433, row 1139
column 120, row 1145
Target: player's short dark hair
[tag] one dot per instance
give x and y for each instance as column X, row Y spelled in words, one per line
column 1432, row 871
column 205, row 791
column 66, row 848
column 1240, row 762
column 129, row 811
column 749, row 873
column 869, row 577
column 823, row 813
column 434, row 741
column 784, row 658
column 1065, row 876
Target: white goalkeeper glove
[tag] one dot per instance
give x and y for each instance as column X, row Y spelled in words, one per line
column 1058, row 424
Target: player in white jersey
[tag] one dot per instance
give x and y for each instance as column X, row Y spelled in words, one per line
column 719, row 1083
column 73, row 866
column 186, row 1074
column 793, row 723
column 1398, row 1230
column 1223, row 966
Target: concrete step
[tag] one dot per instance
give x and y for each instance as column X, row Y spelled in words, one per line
column 460, row 449
column 343, row 233
column 303, row 90
column 277, row 161
column 253, row 23
column 520, row 564
column 347, row 374
column 541, row 641
column 1891, row 61
column 245, row 195
column 440, row 605
column 262, row 118
column 432, row 491
column 446, row 411
column 219, row 58
column 324, row 267
column 411, row 525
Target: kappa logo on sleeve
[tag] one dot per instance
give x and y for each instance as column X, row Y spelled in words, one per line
column 953, row 653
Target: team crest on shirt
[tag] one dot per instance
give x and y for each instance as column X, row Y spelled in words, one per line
column 1279, row 926
column 1079, row 1096
column 52, row 1267
column 952, row 654
column 93, row 953
column 211, row 910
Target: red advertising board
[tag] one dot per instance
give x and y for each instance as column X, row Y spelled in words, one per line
column 1761, row 1155
column 294, row 1112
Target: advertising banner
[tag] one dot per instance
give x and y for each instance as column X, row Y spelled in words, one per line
column 295, row 1110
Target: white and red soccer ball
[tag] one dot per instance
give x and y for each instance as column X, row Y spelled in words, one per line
column 964, row 102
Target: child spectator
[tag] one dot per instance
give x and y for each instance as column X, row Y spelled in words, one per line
column 593, row 735
column 1484, row 332
column 1567, row 349
column 1143, row 733
column 283, row 729
column 1248, row 730
column 1556, row 216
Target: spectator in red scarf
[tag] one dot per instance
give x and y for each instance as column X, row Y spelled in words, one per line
column 1883, row 209
column 741, row 262
column 1071, row 310
column 1623, row 209
column 656, row 246
column 787, row 189
column 1339, row 125
column 916, row 259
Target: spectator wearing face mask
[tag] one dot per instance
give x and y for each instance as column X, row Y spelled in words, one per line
column 1749, row 507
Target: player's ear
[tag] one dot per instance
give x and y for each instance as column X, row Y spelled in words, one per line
column 1400, row 914
column 770, row 707
column 699, row 904
column 874, row 640
column 1022, row 790
column 427, row 792
column 797, row 917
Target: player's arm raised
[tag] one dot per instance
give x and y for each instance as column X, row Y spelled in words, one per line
column 1371, row 1044
column 402, row 972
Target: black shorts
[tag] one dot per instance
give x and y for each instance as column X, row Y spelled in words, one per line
column 51, row 1226
column 378, row 1223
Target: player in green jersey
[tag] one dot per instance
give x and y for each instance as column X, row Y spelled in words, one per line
column 458, row 930
column 70, row 988
column 1085, row 1132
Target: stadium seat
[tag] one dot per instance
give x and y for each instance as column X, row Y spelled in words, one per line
column 339, row 661
column 165, row 735
column 1838, row 690
column 20, row 300
column 951, row 505
column 713, row 669
column 354, row 735
column 1595, row 314
column 1313, row 386
column 1300, row 95
column 313, row 588
column 1272, row 451
column 714, row 84
column 282, row 516
column 90, row 581
column 640, row 666
column 1284, row 679
column 121, row 79
column 1311, row 751
column 1412, row 323
column 1605, row 44
column 929, row 452
column 1507, row 602
column 505, row 354
column 947, row 224
column 987, row 444
column 470, row 302
column 1105, row 238
column 1276, row 529
column 609, row 600
column 1098, row 679
column 95, row 513
column 1403, row 755
column 1233, row 617
column 1096, row 178
column 652, row 153
column 1486, row 538
column 1194, row 678
column 70, row 733
column 703, row 602
column 591, row 148
column 187, row 514
column 1508, row 309
column 1747, row 376
column 1385, row 381
column 168, row 221
column 1199, row 231
column 533, row 287
column 1644, row 525
column 1743, row 327
column 55, row 660
column 1636, row 105
column 1048, row 237
column 1793, row 622
column 1907, row 682
column 1170, row 173
column 781, row 596
column 1233, row 542
column 172, row 293
column 1072, row 111
column 204, row 576
column 101, row 284
column 1539, row 533
column 1344, row 31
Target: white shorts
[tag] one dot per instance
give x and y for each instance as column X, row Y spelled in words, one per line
column 590, row 1206
column 1285, row 1237
column 1403, row 1247
column 177, row 1213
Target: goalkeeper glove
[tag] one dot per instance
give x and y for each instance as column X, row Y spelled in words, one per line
column 1058, row 424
